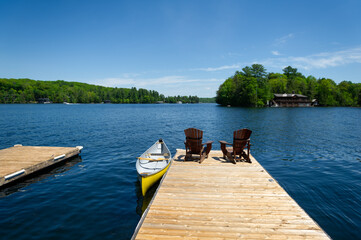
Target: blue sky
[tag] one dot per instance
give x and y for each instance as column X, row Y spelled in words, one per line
column 177, row 47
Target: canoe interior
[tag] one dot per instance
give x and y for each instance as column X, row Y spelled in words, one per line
column 158, row 150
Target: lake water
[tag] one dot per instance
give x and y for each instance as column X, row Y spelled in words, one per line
column 314, row 153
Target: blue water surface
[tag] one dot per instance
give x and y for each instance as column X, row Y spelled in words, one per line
column 314, row 153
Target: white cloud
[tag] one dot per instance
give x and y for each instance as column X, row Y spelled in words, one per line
column 172, row 84
column 113, row 82
column 213, row 69
column 320, row 60
column 145, row 82
column 168, row 85
column 130, row 75
column 284, row 39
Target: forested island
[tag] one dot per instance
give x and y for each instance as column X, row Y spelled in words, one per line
column 253, row 86
column 29, row 91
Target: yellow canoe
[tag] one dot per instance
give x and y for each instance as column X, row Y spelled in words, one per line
column 152, row 164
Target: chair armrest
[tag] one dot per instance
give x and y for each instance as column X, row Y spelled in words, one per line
column 207, row 143
column 208, row 148
column 226, row 143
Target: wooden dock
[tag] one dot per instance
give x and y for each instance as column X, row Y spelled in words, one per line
column 220, row 200
column 19, row 161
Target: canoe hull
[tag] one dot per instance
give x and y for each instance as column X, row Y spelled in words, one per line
column 152, row 164
column 147, row 182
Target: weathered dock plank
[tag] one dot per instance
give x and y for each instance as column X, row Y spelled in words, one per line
column 220, row 200
column 19, row 161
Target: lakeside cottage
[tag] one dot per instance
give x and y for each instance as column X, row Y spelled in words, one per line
column 290, row 100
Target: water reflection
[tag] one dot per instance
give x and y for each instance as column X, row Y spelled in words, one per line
column 143, row 201
column 59, row 168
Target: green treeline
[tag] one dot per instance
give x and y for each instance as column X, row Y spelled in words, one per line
column 28, row 91
column 207, row 100
column 253, row 86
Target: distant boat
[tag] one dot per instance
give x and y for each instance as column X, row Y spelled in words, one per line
column 152, row 164
column 179, row 102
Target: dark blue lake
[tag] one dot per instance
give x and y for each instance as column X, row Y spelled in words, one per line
column 314, row 153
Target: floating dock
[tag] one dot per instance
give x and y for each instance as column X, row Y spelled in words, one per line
column 19, row 161
column 220, row 200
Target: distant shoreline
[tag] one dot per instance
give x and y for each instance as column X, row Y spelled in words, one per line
column 29, row 91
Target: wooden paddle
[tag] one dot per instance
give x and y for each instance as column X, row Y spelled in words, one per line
column 151, row 159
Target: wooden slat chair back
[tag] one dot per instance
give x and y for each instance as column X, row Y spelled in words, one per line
column 241, row 141
column 194, row 145
column 194, row 139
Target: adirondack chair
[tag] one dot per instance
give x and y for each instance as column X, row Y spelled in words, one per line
column 194, row 145
column 241, row 142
